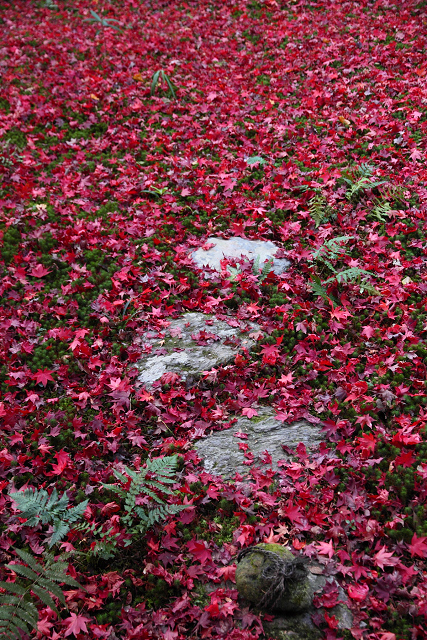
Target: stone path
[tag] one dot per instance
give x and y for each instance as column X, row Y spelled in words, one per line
column 221, row 452
column 192, row 344
column 196, row 343
column 236, row 248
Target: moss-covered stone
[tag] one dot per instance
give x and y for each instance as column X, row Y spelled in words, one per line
column 252, row 584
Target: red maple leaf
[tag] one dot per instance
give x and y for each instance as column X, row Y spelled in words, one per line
column 415, row 154
column 76, row 624
column 418, row 546
column 249, row 412
column 358, row 592
column 63, row 459
column 39, row 271
column 384, row 558
column 325, row 548
column 199, row 550
column 294, row 513
column 270, row 353
column 43, row 376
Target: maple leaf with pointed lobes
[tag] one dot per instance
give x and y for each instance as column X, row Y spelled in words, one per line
column 270, row 353
column 76, row 624
column 415, row 154
column 249, row 412
column 325, row 548
column 43, row 376
column 418, row 546
column 39, row 271
column 368, row 331
column 199, row 550
column 384, row 558
column 63, row 460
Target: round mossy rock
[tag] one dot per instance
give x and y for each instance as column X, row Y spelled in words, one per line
column 252, row 580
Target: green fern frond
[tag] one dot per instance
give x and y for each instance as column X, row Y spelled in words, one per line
column 318, row 207
column 151, row 481
column 332, row 249
column 359, row 179
column 319, row 290
column 381, row 210
column 268, row 266
column 356, row 276
column 38, row 507
column 349, row 275
column 18, row 613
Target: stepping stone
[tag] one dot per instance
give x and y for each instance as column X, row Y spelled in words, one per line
column 237, row 247
column 192, row 344
column 221, row 452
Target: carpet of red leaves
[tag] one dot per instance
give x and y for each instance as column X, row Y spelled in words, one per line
column 104, row 190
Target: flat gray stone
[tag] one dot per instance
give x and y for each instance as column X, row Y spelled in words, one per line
column 221, row 452
column 237, row 247
column 192, row 344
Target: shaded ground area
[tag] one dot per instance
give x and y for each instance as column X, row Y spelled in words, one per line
column 301, row 124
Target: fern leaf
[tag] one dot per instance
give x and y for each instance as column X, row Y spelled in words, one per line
column 112, row 487
column 57, row 574
column 348, row 275
column 14, row 608
column 268, row 266
column 318, row 207
column 52, row 587
column 76, row 512
column 160, row 486
column 44, row 597
column 13, row 587
column 166, row 465
column 60, row 530
column 9, row 630
column 22, row 570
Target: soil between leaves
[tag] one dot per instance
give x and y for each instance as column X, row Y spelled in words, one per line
column 93, row 257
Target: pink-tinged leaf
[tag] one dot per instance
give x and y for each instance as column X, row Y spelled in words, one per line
column 43, row 376
column 186, row 192
column 39, row 271
column 385, row 559
column 76, row 624
column 368, row 331
column 325, row 548
column 249, row 412
column 418, row 546
column 247, row 534
column 358, row 592
column 415, row 154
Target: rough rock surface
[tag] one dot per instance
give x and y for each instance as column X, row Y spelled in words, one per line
column 221, row 452
column 236, row 248
column 192, row 344
column 294, row 621
column 251, row 584
column 301, row 627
